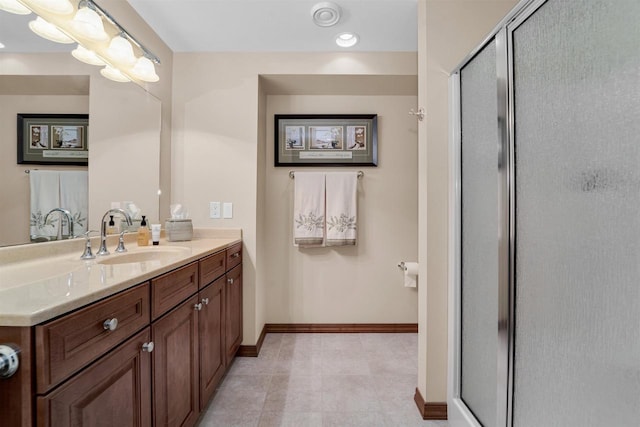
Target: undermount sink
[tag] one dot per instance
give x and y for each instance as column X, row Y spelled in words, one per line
column 151, row 254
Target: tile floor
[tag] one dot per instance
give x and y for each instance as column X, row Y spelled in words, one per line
column 307, row 380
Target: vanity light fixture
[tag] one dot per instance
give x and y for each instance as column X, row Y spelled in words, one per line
column 87, row 23
column 347, row 39
column 84, row 22
column 13, row 6
column 60, row 7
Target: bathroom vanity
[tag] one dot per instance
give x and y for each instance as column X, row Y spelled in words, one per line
column 141, row 338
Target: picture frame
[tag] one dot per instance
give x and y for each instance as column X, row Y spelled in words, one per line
column 326, row 140
column 53, row 139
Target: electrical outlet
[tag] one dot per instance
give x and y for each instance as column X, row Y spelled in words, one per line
column 214, row 209
column 227, row 210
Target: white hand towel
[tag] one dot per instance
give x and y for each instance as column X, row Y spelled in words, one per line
column 308, row 209
column 74, row 191
column 342, row 213
column 45, row 195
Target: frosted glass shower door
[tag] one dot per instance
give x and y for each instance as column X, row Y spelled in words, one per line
column 479, row 235
column 577, row 175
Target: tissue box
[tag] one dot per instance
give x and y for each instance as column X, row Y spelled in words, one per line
column 178, row 230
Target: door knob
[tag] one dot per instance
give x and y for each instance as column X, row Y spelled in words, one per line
column 148, row 347
column 230, row 280
column 198, row 306
column 205, row 301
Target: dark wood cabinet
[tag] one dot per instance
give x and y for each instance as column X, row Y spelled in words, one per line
column 233, row 305
column 212, row 334
column 176, row 366
column 153, row 354
column 115, row 391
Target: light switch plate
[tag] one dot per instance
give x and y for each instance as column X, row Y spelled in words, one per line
column 214, row 209
column 227, row 210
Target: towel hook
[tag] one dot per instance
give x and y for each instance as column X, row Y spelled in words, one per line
column 419, row 114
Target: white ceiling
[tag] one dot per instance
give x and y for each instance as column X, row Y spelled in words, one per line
column 250, row 26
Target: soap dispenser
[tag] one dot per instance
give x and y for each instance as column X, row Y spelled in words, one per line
column 143, row 233
column 112, row 229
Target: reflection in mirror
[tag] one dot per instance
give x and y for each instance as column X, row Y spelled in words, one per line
column 124, row 136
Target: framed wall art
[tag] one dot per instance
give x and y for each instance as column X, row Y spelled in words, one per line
column 326, row 139
column 53, row 139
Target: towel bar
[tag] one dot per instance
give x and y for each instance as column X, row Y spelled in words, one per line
column 292, row 174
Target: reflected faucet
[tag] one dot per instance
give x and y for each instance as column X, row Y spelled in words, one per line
column 66, row 213
column 103, row 228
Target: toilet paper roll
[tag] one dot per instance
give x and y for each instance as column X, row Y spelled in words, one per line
column 410, row 274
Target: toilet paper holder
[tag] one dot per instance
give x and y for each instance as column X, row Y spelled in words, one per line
column 401, row 266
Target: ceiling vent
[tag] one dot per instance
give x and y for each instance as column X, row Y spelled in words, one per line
column 326, row 14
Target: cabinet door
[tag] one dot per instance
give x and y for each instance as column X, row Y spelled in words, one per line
column 175, row 366
column 212, row 330
column 233, row 311
column 115, row 391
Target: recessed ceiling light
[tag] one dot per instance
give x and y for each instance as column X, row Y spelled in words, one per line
column 1, row 45
column 326, row 14
column 347, row 39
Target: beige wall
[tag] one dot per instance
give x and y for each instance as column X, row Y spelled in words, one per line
column 14, row 191
column 216, row 153
column 359, row 284
column 447, row 31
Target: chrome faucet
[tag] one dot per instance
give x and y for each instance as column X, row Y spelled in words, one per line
column 66, row 213
column 103, row 228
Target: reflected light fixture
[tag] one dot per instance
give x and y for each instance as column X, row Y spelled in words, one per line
column 114, row 74
column 347, row 39
column 87, row 23
column 87, row 56
column 49, row 31
column 84, row 22
column 13, row 6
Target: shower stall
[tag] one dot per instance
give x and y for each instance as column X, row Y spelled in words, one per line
column 545, row 236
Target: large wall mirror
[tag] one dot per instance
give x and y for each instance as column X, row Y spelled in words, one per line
column 123, row 136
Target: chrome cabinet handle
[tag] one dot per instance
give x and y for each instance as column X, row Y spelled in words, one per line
column 205, row 301
column 230, row 280
column 110, row 324
column 148, row 347
column 198, row 306
column 9, row 360
column 236, row 255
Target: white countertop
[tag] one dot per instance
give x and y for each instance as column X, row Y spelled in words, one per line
column 50, row 279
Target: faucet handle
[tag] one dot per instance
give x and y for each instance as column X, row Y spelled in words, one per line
column 87, row 254
column 121, row 247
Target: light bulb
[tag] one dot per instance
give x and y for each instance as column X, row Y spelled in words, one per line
column 88, row 24
column 114, row 74
column 12, row 6
column 144, row 70
column 48, row 31
column 121, row 51
column 62, row 7
column 87, row 56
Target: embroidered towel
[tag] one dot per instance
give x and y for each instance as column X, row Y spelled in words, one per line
column 342, row 213
column 74, row 190
column 45, row 195
column 308, row 209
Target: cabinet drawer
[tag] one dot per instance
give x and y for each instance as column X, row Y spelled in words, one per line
column 212, row 267
column 234, row 255
column 69, row 343
column 172, row 288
